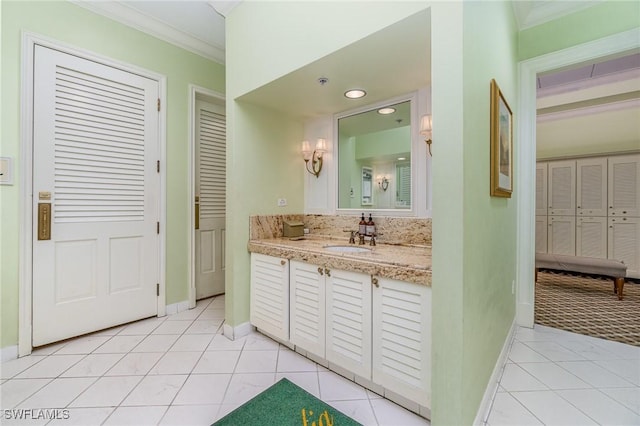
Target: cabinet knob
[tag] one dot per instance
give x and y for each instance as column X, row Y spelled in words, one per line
column 374, row 281
column 320, row 271
column 283, row 262
column 327, row 272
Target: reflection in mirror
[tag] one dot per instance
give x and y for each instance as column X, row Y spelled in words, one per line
column 374, row 159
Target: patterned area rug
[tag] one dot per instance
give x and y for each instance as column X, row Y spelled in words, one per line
column 588, row 305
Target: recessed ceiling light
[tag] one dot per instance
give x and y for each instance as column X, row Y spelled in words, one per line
column 355, row 93
column 385, row 111
column 401, row 158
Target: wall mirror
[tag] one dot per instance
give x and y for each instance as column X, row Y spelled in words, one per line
column 374, row 158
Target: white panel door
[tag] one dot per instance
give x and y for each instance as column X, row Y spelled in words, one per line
column 562, row 188
column 562, row 235
column 541, row 189
column 591, row 188
column 402, row 336
column 269, row 305
column 210, row 199
column 624, row 243
column 95, row 149
column 624, row 185
column 591, row 237
column 348, row 296
column 541, row 234
column 307, row 309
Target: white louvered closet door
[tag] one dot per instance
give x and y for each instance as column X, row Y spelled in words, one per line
column 211, row 193
column 95, row 150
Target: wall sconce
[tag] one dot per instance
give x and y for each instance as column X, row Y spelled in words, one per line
column 314, row 157
column 383, row 182
column 426, row 127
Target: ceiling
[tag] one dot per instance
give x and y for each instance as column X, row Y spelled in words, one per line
column 198, row 25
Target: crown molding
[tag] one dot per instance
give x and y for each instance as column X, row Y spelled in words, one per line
column 224, row 8
column 159, row 29
column 530, row 14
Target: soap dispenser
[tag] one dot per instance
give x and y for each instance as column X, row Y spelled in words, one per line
column 362, row 226
column 371, row 226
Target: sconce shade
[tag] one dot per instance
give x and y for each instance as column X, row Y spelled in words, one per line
column 306, row 150
column 321, row 146
column 426, row 125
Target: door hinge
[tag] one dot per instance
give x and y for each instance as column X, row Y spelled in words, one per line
column 158, row 289
column 158, row 104
column 158, row 166
column 157, row 227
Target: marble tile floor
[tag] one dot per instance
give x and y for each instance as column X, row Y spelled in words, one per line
column 175, row 370
column 554, row 377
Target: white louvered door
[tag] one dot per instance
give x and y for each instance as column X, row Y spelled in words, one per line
column 402, row 339
column 211, row 193
column 269, row 298
column 307, row 316
column 624, row 185
column 541, row 189
column 591, row 192
column 624, row 243
column 348, row 342
column 591, row 237
column 562, row 188
column 95, row 150
column 561, row 238
column 541, row 234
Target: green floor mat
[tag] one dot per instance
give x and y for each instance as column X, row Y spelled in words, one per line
column 285, row 404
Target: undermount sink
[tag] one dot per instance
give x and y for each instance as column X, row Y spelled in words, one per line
column 348, row 249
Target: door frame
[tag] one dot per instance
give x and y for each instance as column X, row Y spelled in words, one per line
column 25, row 278
column 526, row 161
column 195, row 92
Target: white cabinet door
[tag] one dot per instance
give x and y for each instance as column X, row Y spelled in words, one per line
column 624, row 185
column 307, row 296
column 402, row 336
column 591, row 190
column 541, row 189
column 562, row 235
column 349, row 321
column 624, row 243
column 269, row 306
column 541, row 234
column 562, row 188
column 591, row 237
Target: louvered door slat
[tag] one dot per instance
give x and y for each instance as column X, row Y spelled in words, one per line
column 562, row 188
column 624, row 185
column 212, row 164
column 348, row 320
column 102, row 173
column 269, row 304
column 401, row 332
column 591, row 193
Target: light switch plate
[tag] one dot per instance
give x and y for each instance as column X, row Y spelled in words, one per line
column 282, row 202
column 6, row 171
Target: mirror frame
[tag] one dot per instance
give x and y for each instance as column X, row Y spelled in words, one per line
column 415, row 152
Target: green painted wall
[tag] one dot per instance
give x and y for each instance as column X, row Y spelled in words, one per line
column 601, row 20
column 384, row 143
column 76, row 26
column 263, row 164
column 473, row 305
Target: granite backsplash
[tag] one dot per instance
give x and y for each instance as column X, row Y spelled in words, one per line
column 391, row 230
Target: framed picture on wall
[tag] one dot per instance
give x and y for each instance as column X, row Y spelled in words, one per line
column 501, row 144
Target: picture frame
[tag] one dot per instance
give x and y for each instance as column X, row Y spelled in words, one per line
column 501, row 129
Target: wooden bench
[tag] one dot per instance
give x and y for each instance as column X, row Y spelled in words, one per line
column 587, row 265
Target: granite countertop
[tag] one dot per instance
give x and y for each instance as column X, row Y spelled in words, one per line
column 411, row 263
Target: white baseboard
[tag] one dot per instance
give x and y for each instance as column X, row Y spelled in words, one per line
column 492, row 386
column 237, row 332
column 175, row 308
column 8, row 353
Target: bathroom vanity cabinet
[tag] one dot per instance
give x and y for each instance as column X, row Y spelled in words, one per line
column 375, row 330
